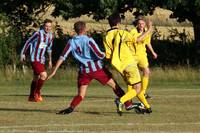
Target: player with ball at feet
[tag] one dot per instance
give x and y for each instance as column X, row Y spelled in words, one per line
column 86, row 51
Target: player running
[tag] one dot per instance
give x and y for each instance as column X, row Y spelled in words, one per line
column 119, row 46
column 86, row 51
column 40, row 42
column 142, row 36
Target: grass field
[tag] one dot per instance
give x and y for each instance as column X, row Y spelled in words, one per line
column 175, row 106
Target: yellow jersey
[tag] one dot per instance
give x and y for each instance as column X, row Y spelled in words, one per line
column 141, row 46
column 119, row 48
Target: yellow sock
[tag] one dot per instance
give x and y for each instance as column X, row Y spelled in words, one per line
column 129, row 88
column 142, row 98
column 128, row 96
column 145, row 82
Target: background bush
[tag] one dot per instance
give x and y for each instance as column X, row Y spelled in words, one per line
column 171, row 52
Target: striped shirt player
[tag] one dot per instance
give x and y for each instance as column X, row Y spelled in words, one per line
column 87, row 52
column 40, row 42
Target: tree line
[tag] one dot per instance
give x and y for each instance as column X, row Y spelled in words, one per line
column 16, row 15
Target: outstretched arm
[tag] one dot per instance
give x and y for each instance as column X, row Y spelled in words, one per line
column 63, row 56
column 58, row 63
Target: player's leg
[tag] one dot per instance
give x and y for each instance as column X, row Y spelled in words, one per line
column 144, row 65
column 76, row 100
column 39, row 70
column 105, row 77
column 119, row 93
column 31, row 97
column 38, row 80
column 115, row 87
column 142, row 98
column 133, row 91
column 133, row 79
column 79, row 97
column 128, row 96
column 145, row 78
column 83, row 82
column 40, row 83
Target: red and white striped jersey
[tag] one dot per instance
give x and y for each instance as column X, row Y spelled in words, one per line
column 86, row 51
column 39, row 42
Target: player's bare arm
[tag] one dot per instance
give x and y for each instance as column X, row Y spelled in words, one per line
column 58, row 63
column 149, row 46
column 50, row 60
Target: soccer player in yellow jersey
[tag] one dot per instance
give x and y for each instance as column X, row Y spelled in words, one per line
column 119, row 47
column 142, row 35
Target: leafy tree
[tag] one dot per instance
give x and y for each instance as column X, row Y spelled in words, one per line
column 100, row 9
column 15, row 16
column 23, row 12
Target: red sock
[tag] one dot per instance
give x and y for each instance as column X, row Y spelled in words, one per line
column 128, row 103
column 33, row 88
column 118, row 91
column 77, row 99
column 39, row 85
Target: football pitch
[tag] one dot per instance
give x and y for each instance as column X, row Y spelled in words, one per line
column 176, row 109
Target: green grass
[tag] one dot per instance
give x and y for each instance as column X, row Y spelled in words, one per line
column 175, row 107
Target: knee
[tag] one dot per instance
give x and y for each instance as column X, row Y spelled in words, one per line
column 137, row 88
column 43, row 75
column 141, row 92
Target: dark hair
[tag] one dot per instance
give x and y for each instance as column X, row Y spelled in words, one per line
column 47, row 21
column 114, row 19
column 79, row 26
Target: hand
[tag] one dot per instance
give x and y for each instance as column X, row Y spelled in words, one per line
column 22, row 58
column 155, row 55
column 51, row 75
column 50, row 64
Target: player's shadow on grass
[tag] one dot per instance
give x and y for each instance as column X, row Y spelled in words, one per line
column 131, row 112
column 63, row 96
column 26, row 110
